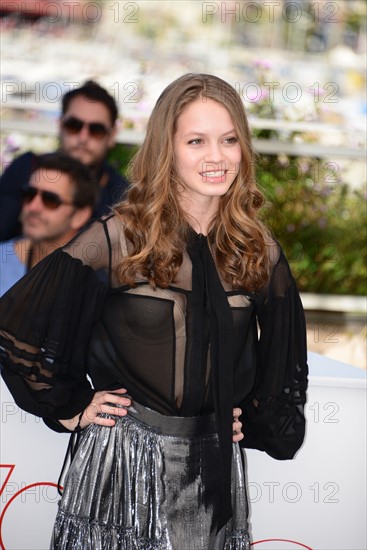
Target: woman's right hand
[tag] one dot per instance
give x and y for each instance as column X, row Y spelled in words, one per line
column 108, row 402
column 105, row 402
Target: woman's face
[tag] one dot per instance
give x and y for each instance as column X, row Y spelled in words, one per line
column 207, row 153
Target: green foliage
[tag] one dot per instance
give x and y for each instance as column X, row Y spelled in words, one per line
column 121, row 155
column 319, row 221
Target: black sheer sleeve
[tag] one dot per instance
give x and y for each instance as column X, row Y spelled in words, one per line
column 274, row 418
column 45, row 324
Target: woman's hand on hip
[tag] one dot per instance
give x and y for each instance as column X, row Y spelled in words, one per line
column 105, row 402
column 237, row 426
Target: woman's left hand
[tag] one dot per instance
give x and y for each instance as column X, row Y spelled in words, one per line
column 237, row 426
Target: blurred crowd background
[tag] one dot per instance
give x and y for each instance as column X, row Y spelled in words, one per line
column 300, row 67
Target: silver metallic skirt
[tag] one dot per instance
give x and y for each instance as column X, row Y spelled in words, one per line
column 149, row 483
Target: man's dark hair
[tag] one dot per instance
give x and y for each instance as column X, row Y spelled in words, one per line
column 94, row 92
column 86, row 188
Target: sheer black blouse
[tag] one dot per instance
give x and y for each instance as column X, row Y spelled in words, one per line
column 68, row 329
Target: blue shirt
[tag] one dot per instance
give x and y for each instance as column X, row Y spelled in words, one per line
column 11, row 268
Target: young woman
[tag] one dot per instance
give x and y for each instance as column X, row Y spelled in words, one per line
column 179, row 307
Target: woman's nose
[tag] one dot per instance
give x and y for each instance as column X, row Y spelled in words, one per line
column 214, row 154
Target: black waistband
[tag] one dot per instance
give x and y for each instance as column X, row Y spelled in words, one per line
column 179, row 426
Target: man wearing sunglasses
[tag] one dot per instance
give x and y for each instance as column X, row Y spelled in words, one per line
column 87, row 130
column 56, row 203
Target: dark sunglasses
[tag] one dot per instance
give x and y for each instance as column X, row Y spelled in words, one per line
column 73, row 126
column 50, row 200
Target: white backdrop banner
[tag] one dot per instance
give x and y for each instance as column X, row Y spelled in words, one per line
column 316, row 501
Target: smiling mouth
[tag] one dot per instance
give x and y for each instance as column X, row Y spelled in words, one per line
column 216, row 174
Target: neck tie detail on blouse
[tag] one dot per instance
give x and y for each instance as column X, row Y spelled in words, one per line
column 210, row 301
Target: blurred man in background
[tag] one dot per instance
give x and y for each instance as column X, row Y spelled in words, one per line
column 56, row 203
column 87, row 132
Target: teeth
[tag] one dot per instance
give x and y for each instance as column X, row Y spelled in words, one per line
column 218, row 174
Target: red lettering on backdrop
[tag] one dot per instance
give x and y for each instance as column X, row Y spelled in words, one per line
column 282, row 540
column 11, row 469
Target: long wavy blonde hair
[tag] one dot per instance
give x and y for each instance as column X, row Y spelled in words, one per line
column 155, row 223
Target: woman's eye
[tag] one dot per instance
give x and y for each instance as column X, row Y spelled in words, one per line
column 195, row 141
column 232, row 139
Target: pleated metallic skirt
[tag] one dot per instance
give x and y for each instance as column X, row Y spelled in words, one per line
column 149, row 483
